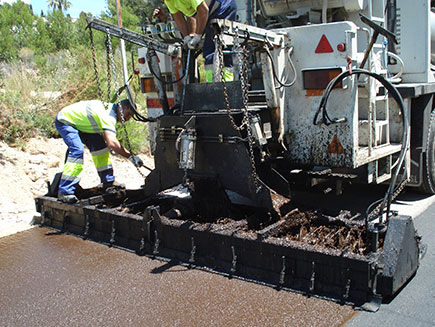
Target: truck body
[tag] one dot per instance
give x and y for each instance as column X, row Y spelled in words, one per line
column 324, row 38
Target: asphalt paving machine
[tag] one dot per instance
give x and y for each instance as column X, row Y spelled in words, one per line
column 325, row 93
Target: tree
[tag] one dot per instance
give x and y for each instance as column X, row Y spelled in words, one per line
column 65, row 4
column 16, row 29
column 59, row 4
column 60, row 30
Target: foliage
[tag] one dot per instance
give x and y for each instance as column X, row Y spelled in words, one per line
column 16, row 29
column 143, row 9
column 60, row 30
column 46, row 63
column 28, row 105
column 129, row 20
column 59, row 4
column 137, row 134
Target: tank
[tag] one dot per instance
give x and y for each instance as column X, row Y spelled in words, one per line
column 282, row 7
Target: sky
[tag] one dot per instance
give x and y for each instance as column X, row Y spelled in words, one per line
column 77, row 6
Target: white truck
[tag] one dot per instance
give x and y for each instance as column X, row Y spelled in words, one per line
column 359, row 135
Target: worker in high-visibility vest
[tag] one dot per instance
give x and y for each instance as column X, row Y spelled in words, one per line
column 90, row 123
column 193, row 20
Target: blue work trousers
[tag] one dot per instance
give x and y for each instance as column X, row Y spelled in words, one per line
column 208, row 49
column 75, row 141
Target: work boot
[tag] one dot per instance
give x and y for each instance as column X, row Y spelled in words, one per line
column 106, row 185
column 67, row 198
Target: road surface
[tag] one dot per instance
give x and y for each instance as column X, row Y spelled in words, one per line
column 52, row 279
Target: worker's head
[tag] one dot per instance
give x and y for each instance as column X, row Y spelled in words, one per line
column 127, row 110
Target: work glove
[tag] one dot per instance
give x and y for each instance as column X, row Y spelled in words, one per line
column 186, row 41
column 136, row 160
column 195, row 42
column 159, row 14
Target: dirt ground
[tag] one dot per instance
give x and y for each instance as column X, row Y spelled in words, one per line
column 24, row 175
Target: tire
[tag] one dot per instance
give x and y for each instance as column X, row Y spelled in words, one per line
column 428, row 182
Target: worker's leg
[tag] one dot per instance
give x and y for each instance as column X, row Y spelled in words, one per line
column 208, row 49
column 74, row 163
column 208, row 53
column 100, row 156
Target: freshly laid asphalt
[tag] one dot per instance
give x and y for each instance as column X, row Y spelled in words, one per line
column 52, row 279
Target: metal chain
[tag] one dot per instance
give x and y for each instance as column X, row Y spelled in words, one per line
column 97, row 77
column 376, row 211
column 94, row 60
column 121, row 112
column 109, row 54
column 242, row 55
column 222, row 73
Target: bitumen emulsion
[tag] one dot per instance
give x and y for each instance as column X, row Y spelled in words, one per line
column 52, row 279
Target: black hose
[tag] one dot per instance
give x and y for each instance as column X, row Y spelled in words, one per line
column 161, row 80
column 405, row 139
column 275, row 75
column 136, row 115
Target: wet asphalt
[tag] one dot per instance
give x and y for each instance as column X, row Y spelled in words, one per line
column 51, row 279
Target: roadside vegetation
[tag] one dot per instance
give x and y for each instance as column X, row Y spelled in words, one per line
column 46, row 63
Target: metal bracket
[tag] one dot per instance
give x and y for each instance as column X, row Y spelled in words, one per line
column 234, row 261
column 147, row 220
column 141, row 245
column 156, row 244
column 43, row 216
column 113, row 233
column 313, row 276
column 347, row 287
column 64, row 221
column 192, row 252
column 133, row 37
column 247, row 32
column 86, row 229
column 282, row 274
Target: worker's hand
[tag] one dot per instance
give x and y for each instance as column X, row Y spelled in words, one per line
column 186, row 41
column 136, row 160
column 195, row 42
column 159, row 14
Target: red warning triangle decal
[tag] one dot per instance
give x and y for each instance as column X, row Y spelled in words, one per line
column 323, row 46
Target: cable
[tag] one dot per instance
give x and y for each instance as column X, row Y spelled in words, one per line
column 292, row 66
column 402, row 65
column 161, row 80
column 274, row 72
column 405, row 139
column 136, row 115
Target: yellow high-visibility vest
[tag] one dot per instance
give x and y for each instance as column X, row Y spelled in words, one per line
column 89, row 116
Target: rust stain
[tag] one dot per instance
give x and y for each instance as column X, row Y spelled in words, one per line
column 314, row 92
column 335, row 146
column 154, row 103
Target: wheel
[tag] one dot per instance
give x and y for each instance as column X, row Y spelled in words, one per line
column 428, row 183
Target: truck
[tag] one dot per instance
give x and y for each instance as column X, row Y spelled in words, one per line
column 322, row 37
column 325, row 91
